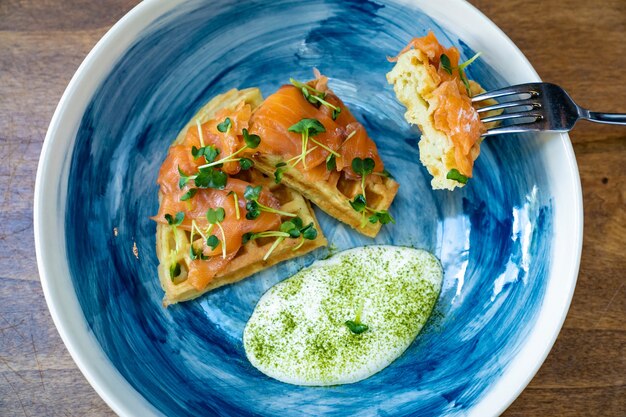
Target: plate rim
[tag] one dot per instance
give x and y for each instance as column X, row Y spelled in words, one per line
column 110, row 385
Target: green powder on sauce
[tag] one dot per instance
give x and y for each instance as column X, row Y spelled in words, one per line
column 297, row 332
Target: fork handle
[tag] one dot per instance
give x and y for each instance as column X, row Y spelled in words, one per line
column 609, row 118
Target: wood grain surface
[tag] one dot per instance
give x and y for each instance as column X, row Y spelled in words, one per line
column 579, row 44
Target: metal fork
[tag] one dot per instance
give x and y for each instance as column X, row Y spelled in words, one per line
column 541, row 107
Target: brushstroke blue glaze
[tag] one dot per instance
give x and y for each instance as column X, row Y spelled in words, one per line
column 493, row 237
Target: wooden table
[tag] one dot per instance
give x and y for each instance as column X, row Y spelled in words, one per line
column 578, row 44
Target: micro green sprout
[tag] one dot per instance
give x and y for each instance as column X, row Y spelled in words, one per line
column 224, row 127
column 209, row 152
column 469, row 61
column 252, row 142
column 189, row 194
column 455, row 175
column 359, row 204
column 280, row 169
column 444, row 62
column 364, row 167
column 205, row 178
column 254, row 207
column 316, row 97
column 174, row 221
column 292, row 228
column 200, row 135
column 294, row 161
column 193, row 252
column 307, row 128
column 212, row 242
column 174, row 270
column 216, row 216
column 236, row 198
column 331, row 163
column 355, row 325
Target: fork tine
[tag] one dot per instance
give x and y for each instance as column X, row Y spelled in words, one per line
column 507, row 104
column 511, row 116
column 507, row 91
column 514, row 128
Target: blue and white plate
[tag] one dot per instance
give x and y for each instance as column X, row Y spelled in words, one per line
column 509, row 242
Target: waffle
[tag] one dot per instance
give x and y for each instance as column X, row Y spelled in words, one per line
column 412, row 82
column 331, row 198
column 335, row 200
column 249, row 259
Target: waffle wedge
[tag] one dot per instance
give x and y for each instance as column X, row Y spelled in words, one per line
column 173, row 244
column 313, row 140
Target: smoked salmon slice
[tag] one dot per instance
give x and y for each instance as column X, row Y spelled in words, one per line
column 312, row 141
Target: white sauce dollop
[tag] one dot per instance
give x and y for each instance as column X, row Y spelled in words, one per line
column 297, row 332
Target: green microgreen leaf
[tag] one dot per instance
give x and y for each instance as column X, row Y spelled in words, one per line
column 211, row 178
column 174, row 270
column 290, row 227
column 306, row 87
column 359, row 203
column 382, row 216
column 175, row 220
column 252, row 210
column 252, row 193
column 309, row 232
column 246, row 163
column 212, row 241
column 311, row 127
column 252, row 141
column 209, row 152
column 189, row 194
column 307, row 128
column 331, row 163
column 465, row 82
column 278, row 173
column 196, row 253
column 356, row 328
column 246, row 237
column 316, row 97
column 309, row 97
column 455, row 175
column 215, row 215
column 225, row 125
column 297, row 221
column 363, row 167
column 355, row 325
column 318, row 100
column 444, row 61
column 184, row 178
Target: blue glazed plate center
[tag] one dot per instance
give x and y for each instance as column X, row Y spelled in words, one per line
column 493, row 237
